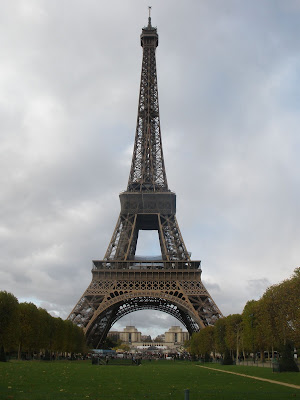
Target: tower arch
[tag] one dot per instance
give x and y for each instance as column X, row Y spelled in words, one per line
column 126, row 305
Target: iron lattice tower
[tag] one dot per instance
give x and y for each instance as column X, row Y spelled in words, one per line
column 122, row 283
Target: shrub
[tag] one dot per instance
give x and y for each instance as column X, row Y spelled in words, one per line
column 227, row 358
column 286, row 361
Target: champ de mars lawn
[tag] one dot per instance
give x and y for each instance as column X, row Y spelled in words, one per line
column 64, row 380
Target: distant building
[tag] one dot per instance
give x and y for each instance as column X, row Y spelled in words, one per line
column 176, row 335
column 130, row 335
column 160, row 338
column 146, row 338
column 171, row 341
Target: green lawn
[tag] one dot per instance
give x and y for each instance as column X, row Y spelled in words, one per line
column 62, row 380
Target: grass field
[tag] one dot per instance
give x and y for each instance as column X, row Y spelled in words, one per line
column 66, row 380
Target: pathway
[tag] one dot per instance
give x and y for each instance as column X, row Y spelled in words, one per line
column 252, row 377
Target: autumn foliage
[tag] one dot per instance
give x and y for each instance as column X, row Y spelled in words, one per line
column 265, row 326
column 26, row 329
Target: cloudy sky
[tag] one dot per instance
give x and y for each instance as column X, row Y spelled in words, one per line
column 229, row 87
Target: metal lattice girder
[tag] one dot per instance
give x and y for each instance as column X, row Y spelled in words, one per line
column 171, row 238
column 121, row 284
column 113, row 294
column 147, row 169
column 124, row 239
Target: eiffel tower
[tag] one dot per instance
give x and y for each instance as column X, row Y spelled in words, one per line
column 122, row 282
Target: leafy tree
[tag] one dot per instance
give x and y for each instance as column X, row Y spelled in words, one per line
column 69, row 336
column 195, row 344
column 268, row 309
column 45, row 330
column 59, row 340
column 202, row 343
column 79, row 342
column 8, row 321
column 109, row 343
column 253, row 328
column 281, row 304
column 187, row 345
column 219, row 335
column 281, row 312
column 292, row 299
column 28, row 328
column 123, row 347
column 249, row 318
column 233, row 333
column 207, row 340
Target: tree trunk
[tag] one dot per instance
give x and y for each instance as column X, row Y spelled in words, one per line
column 19, row 351
column 2, row 354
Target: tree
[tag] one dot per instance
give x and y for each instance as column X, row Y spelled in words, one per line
column 203, row 343
column 233, row 333
column 268, row 310
column 69, row 336
column 109, row 343
column 79, row 342
column 45, row 330
column 187, row 345
column 59, row 340
column 28, row 328
column 123, row 347
column 249, row 317
column 280, row 307
column 8, row 321
column 220, row 334
column 293, row 307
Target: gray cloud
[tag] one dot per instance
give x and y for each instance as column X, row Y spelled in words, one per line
column 258, row 286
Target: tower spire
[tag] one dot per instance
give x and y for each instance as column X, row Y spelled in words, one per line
column 149, row 18
column 147, row 172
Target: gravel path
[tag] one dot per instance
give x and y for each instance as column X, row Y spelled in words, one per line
column 252, row 377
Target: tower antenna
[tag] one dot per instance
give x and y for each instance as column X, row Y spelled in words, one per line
column 149, row 18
